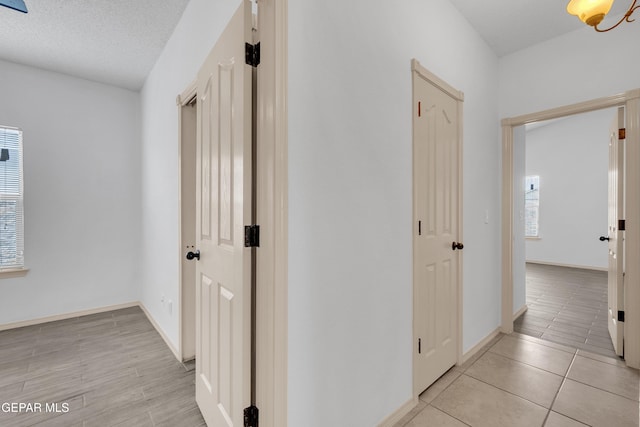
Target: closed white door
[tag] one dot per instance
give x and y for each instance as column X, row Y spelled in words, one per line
column 437, row 149
column 223, row 205
column 615, row 234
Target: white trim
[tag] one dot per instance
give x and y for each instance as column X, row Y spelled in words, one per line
column 161, row 332
column 188, row 94
column 393, row 418
column 476, row 348
column 182, row 100
column 10, row 273
column 272, row 208
column 520, row 312
column 632, row 232
column 65, row 316
column 631, row 101
column 559, row 264
column 436, row 81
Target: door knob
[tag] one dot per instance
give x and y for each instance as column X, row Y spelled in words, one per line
column 192, row 255
column 602, row 238
column 456, row 245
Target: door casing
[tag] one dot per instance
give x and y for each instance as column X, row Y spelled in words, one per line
column 631, row 101
column 186, row 173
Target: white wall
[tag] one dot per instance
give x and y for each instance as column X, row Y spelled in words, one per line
column 194, row 36
column 571, row 158
column 82, row 193
column 350, row 219
column 575, row 67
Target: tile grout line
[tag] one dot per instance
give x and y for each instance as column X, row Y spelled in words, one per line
column 564, row 379
column 445, row 412
column 512, row 393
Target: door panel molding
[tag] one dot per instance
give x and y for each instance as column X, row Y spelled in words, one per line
column 631, row 101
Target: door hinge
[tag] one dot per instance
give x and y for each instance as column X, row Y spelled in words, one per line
column 620, row 316
column 419, row 346
column 251, row 416
column 419, row 228
column 622, row 225
column 622, row 133
column 251, row 236
column 252, row 54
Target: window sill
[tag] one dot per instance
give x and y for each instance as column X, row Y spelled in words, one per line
column 533, row 238
column 13, row 272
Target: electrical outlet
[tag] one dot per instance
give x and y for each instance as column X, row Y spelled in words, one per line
column 162, row 298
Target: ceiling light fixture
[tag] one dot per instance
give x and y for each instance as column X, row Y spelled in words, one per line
column 592, row 12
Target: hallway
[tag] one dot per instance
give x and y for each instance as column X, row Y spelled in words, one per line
column 518, row 380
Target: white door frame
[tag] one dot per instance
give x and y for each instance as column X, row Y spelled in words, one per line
column 182, row 101
column 631, row 101
column 272, row 210
column 459, row 97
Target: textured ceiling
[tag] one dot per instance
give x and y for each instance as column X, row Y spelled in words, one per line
column 511, row 25
column 118, row 41
column 110, row 41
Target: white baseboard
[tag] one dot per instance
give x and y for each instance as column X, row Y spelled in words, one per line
column 166, row 339
column 64, row 316
column 399, row 413
column 559, row 264
column 520, row 312
column 476, row 348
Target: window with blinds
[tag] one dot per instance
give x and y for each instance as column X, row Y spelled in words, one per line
column 532, row 206
column 11, row 200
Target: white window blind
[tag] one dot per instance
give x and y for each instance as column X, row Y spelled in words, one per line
column 11, row 199
column 532, row 206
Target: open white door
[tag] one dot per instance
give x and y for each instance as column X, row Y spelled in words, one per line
column 436, row 186
column 223, row 204
column 616, row 233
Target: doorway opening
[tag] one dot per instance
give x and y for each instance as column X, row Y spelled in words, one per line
column 630, row 100
column 560, row 209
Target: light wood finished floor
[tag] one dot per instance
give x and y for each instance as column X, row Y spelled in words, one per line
column 567, row 306
column 111, row 369
column 521, row 381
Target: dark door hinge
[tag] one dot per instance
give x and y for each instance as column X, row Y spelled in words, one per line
column 252, row 54
column 419, row 228
column 620, row 316
column 251, row 416
column 419, row 346
column 622, row 225
column 622, row 133
column 251, row 236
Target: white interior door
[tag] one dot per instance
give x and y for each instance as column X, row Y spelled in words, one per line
column 615, row 235
column 223, row 204
column 436, row 209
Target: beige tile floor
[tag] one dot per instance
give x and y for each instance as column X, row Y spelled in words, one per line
column 518, row 380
